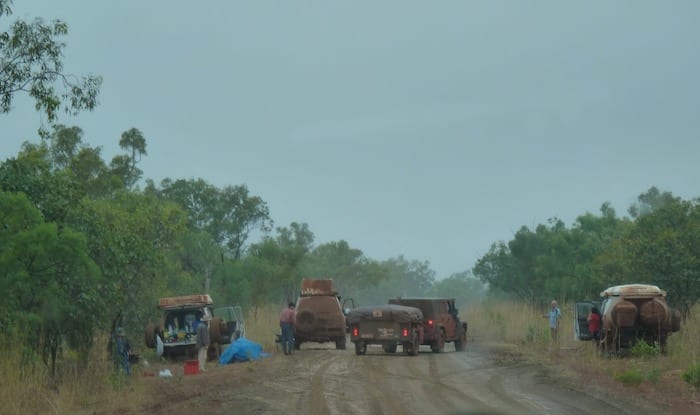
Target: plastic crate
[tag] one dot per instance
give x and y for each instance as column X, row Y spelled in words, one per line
column 191, row 367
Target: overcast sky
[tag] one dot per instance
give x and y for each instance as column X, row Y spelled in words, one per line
column 423, row 129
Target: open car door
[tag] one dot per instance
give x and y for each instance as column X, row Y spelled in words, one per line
column 234, row 320
column 581, row 311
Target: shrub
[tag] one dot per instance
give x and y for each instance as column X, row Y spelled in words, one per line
column 692, row 376
column 644, row 350
column 654, row 375
column 631, row 377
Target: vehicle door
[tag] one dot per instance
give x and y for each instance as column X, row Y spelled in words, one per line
column 445, row 319
column 234, row 320
column 581, row 311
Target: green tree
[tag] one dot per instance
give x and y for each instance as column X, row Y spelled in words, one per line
column 650, row 201
column 350, row 270
column 463, row 287
column 50, row 285
column 132, row 238
column 664, row 249
column 230, row 214
column 124, row 166
column 31, row 56
column 278, row 262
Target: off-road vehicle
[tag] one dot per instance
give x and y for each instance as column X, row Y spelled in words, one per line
column 630, row 313
column 388, row 326
column 441, row 321
column 319, row 316
column 176, row 333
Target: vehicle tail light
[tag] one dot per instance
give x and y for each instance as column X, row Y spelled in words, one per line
column 355, row 331
column 430, row 323
column 404, row 332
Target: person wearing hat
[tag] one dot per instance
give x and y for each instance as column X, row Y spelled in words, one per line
column 122, row 351
column 203, row 341
column 287, row 327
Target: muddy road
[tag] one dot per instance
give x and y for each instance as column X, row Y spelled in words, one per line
column 320, row 380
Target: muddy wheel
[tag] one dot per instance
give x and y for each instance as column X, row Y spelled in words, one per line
column 461, row 342
column 340, row 343
column 215, row 332
column 390, row 348
column 675, row 320
column 360, row 348
column 150, row 336
column 439, row 345
column 663, row 346
column 414, row 347
column 297, row 344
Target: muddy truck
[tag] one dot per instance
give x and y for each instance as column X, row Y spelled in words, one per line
column 441, row 322
column 319, row 316
column 630, row 313
column 386, row 325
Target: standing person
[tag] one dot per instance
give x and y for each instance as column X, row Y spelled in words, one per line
column 203, row 341
column 287, row 326
column 554, row 319
column 594, row 320
column 122, row 351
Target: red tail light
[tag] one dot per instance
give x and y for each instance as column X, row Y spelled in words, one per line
column 430, row 323
column 355, row 331
column 404, row 333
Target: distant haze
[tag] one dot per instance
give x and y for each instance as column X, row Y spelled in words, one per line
column 428, row 129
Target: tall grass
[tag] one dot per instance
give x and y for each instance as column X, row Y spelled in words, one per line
column 262, row 324
column 81, row 383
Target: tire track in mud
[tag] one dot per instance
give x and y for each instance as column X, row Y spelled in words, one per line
column 317, row 395
column 375, row 385
column 383, row 399
column 452, row 383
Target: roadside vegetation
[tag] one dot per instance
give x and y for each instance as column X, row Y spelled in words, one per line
column 88, row 243
column 655, row 376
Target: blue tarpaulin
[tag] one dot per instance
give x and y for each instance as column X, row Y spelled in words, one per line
column 242, row 350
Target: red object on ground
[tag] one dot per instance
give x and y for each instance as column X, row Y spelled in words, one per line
column 191, row 367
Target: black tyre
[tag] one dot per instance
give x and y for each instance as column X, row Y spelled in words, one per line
column 415, row 346
column 390, row 348
column 297, row 344
column 340, row 343
column 461, row 342
column 215, row 332
column 150, row 336
column 360, row 348
column 675, row 320
column 438, row 345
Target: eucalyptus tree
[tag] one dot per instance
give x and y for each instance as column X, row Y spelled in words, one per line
column 349, row 268
column 124, row 165
column 229, row 215
column 133, row 239
column 462, row 286
column 31, row 62
column 279, row 262
column 51, row 287
column 664, row 249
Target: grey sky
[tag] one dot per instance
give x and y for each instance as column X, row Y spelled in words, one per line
column 428, row 129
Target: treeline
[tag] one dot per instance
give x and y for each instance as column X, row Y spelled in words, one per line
column 658, row 244
column 82, row 244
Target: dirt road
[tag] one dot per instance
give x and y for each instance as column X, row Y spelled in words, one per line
column 320, row 380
